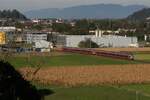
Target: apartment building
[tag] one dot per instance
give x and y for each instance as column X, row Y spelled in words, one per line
column 33, row 37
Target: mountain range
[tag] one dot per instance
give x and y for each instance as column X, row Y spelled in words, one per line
column 97, row 11
column 140, row 15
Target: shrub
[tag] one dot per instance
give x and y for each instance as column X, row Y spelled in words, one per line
column 13, row 86
column 88, row 43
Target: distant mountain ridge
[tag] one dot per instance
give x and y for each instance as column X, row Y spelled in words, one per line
column 98, row 11
column 13, row 14
column 140, row 15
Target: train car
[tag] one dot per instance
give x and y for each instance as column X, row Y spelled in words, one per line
column 119, row 55
column 115, row 55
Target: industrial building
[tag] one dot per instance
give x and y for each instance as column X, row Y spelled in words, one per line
column 10, row 33
column 33, row 37
column 2, row 38
column 103, row 41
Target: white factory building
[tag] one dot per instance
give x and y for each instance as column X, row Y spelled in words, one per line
column 105, row 40
column 102, row 40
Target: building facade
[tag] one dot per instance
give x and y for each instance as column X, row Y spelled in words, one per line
column 34, row 37
column 2, row 38
column 104, row 41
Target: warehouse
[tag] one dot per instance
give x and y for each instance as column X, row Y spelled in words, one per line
column 104, row 41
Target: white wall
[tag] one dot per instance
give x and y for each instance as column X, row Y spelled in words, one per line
column 115, row 41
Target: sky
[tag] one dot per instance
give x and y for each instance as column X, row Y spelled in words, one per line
column 26, row 5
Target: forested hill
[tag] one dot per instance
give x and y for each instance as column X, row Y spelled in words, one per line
column 13, row 14
column 140, row 15
column 98, row 11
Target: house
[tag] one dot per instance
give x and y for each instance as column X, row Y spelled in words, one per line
column 126, row 30
column 99, row 33
column 35, row 21
column 43, row 46
column 32, row 37
column 8, row 29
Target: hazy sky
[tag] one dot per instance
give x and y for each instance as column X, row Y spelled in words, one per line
column 38, row 4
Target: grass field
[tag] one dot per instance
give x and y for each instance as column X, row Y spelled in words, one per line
column 92, row 93
column 126, row 92
column 143, row 56
column 64, row 60
column 141, row 88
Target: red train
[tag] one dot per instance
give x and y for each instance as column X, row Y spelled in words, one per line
column 120, row 55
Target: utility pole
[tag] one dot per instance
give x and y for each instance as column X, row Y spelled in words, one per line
column 90, row 42
column 97, row 33
column 132, row 38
